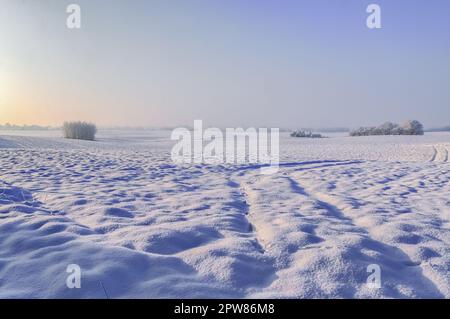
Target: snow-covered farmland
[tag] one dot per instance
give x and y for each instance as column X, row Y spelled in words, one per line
column 140, row 226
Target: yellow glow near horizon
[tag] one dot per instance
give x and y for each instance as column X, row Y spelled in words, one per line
column 15, row 103
column 11, row 103
column 3, row 93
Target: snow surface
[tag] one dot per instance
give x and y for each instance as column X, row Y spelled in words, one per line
column 140, row 226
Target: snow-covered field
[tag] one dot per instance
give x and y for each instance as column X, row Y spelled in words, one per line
column 140, row 226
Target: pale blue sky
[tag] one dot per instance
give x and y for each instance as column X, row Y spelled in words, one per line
column 230, row 63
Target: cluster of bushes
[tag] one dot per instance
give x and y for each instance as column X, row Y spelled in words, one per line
column 79, row 130
column 409, row 128
column 305, row 134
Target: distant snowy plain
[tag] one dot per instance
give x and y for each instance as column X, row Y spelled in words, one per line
column 140, row 226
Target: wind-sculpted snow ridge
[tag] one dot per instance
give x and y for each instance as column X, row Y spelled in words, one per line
column 140, row 226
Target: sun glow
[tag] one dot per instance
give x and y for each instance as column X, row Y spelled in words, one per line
column 3, row 90
column 7, row 101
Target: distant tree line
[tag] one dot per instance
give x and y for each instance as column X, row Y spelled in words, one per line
column 439, row 129
column 409, row 128
column 14, row 127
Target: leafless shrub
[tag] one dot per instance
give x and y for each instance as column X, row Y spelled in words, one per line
column 79, row 130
